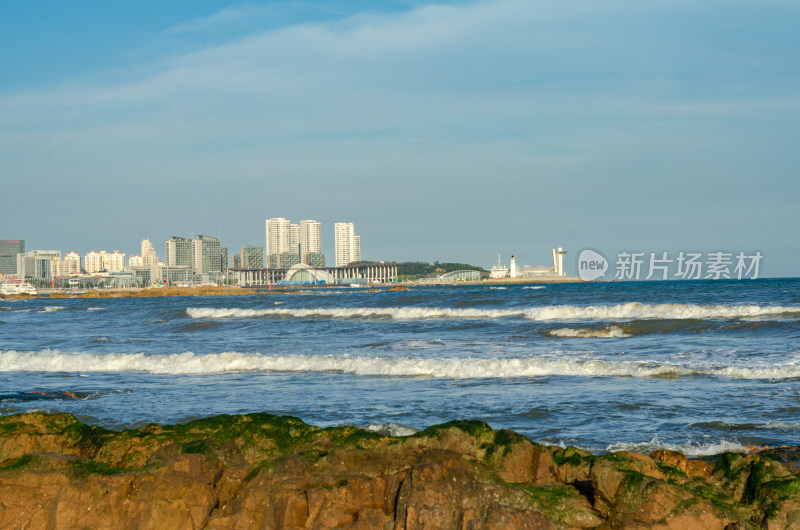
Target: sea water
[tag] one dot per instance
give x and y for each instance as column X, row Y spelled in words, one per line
column 702, row 366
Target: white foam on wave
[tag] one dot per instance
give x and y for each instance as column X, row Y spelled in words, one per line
column 690, row 448
column 95, row 308
column 534, row 287
column 439, row 368
column 583, row 333
column 782, row 425
column 391, row 429
column 629, row 311
column 51, row 308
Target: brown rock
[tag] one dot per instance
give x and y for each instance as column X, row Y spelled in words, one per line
column 260, row 471
column 676, row 459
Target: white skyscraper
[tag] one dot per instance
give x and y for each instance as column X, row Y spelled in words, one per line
column 282, row 237
column 348, row 244
column 310, row 238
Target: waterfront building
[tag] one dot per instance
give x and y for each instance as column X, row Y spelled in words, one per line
column 179, row 274
column 179, row 252
column 301, row 273
column 207, row 255
column 135, row 260
column 93, row 261
column 201, row 255
column 251, row 257
column 315, row 260
column 114, row 261
column 149, row 256
column 69, row 266
column 311, row 242
column 284, row 260
column 236, row 261
column 9, row 250
column 499, row 271
column 37, row 263
column 282, row 237
column 347, row 244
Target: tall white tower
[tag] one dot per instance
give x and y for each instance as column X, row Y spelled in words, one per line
column 348, row 244
column 282, row 237
column 558, row 261
column 310, row 239
column 512, row 269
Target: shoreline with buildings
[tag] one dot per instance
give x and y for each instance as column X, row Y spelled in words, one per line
column 292, row 256
column 236, row 290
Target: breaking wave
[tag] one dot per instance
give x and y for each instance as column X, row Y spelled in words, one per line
column 690, row 448
column 603, row 333
column 438, row 368
column 629, row 311
column 391, row 429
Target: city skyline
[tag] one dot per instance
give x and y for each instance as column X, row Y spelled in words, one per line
column 445, row 131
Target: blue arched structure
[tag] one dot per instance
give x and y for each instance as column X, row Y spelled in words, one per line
column 461, row 276
column 302, row 274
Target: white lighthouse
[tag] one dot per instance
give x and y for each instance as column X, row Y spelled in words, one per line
column 512, row 272
column 558, row 261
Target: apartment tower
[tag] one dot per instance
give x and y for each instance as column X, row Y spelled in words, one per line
column 348, row 244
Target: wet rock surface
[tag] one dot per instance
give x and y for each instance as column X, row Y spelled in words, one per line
column 264, row 471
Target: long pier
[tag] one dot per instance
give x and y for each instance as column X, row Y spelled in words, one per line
column 361, row 273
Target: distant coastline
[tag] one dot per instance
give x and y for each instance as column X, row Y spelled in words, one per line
column 148, row 292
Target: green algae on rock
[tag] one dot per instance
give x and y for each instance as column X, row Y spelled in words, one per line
column 266, row 471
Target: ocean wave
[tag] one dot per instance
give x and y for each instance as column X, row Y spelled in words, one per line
column 437, row 368
column 51, row 308
column 690, row 448
column 629, row 311
column 770, row 425
column 391, row 429
column 603, row 333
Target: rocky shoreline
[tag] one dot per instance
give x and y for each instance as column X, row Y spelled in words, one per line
column 264, row 471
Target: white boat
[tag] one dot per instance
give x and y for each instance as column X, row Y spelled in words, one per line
column 16, row 287
column 499, row 271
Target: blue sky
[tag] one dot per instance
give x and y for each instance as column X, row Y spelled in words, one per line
column 449, row 131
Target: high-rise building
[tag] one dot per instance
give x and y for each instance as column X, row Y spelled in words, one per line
column 207, row 255
column 311, row 244
column 93, row 261
column 69, row 266
column 348, row 244
column 310, row 238
column 149, row 255
column 37, row 263
column 135, row 260
column 114, row 261
column 9, row 250
column 252, row 257
column 179, row 252
column 282, row 237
